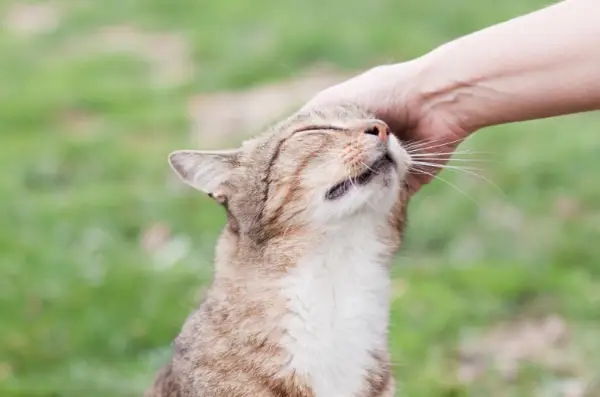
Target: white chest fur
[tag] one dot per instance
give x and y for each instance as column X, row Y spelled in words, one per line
column 338, row 298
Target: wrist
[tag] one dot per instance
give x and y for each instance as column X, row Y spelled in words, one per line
column 399, row 93
column 442, row 90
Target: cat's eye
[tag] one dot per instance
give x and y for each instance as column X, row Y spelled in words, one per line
column 316, row 128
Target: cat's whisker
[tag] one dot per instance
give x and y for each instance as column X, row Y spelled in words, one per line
column 448, row 158
column 466, row 170
column 453, row 152
column 447, row 153
column 420, row 171
column 444, row 146
column 444, row 143
column 421, row 142
column 351, row 179
column 367, row 167
column 445, row 166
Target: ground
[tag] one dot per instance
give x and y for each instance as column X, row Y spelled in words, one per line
column 103, row 253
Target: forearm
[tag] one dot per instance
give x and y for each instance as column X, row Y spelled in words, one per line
column 542, row 64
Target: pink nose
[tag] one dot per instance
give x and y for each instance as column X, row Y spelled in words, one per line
column 379, row 129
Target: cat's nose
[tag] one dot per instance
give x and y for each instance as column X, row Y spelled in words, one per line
column 379, row 129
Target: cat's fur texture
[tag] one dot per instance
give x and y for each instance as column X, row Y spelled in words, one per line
column 299, row 302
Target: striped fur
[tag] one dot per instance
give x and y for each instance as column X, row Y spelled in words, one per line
column 299, row 302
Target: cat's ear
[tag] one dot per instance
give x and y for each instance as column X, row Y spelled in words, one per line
column 204, row 170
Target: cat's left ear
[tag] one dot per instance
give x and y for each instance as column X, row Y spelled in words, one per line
column 204, row 170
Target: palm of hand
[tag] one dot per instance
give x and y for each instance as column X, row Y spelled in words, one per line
column 429, row 137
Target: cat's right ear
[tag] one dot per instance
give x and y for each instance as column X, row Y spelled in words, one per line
column 204, row 170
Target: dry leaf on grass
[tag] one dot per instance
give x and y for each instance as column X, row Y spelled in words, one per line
column 164, row 248
column 230, row 115
column 32, row 19
column 167, row 53
column 506, row 347
column 155, row 237
column 567, row 207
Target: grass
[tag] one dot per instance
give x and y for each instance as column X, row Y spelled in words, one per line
column 84, row 308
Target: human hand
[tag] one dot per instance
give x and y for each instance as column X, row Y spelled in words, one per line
column 393, row 93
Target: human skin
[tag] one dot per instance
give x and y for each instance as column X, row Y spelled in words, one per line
column 542, row 64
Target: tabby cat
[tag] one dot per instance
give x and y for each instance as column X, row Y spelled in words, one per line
column 299, row 304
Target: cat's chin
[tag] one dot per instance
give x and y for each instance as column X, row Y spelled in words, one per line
column 381, row 166
column 375, row 199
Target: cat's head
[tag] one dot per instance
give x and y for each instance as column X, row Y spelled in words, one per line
column 311, row 170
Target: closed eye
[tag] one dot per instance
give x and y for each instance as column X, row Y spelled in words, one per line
column 317, row 129
column 313, row 132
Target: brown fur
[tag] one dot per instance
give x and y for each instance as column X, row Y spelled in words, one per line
column 229, row 347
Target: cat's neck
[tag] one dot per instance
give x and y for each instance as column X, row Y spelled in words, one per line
column 338, row 301
column 366, row 238
column 322, row 297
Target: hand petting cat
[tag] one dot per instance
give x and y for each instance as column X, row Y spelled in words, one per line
column 390, row 92
column 542, row 64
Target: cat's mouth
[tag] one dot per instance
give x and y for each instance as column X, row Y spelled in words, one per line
column 378, row 166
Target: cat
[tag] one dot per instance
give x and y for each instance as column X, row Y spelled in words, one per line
column 299, row 303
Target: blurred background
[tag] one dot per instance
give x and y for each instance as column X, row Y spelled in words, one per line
column 103, row 253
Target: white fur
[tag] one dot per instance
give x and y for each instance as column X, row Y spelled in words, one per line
column 378, row 196
column 338, row 294
column 399, row 154
column 339, row 299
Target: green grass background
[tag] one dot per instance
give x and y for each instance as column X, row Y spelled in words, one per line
column 84, row 310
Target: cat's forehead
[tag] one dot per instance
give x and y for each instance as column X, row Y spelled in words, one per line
column 335, row 116
column 339, row 116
